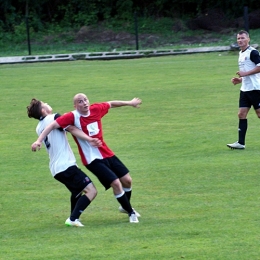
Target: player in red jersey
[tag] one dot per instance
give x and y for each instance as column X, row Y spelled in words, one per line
column 101, row 161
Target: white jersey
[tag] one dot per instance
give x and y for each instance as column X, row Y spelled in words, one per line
column 57, row 146
column 251, row 82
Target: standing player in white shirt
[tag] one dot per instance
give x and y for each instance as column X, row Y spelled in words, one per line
column 249, row 76
column 101, row 161
column 62, row 163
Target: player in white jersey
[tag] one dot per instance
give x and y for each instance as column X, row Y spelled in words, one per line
column 62, row 163
column 101, row 161
column 249, row 76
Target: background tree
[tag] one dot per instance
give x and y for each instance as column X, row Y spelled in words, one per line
column 70, row 13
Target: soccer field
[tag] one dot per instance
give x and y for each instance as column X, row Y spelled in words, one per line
column 198, row 199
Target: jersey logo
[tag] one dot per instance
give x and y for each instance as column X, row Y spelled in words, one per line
column 93, row 129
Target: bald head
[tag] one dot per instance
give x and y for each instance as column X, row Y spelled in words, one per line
column 81, row 103
column 78, row 96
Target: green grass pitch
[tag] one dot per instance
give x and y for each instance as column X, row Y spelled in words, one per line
column 198, row 199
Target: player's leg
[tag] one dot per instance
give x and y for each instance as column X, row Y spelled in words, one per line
column 126, row 181
column 90, row 191
column 108, row 178
column 121, row 196
column 122, row 173
column 73, row 202
column 242, row 125
column 256, row 102
column 66, row 178
column 257, row 111
column 123, row 200
column 247, row 99
column 244, row 107
column 78, row 183
column 83, row 189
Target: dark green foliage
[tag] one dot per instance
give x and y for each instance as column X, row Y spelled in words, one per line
column 70, row 13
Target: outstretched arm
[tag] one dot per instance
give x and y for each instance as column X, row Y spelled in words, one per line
column 38, row 143
column 80, row 134
column 135, row 102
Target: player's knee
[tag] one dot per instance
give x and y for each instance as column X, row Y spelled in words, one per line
column 91, row 194
column 126, row 181
column 94, row 192
column 116, row 183
column 242, row 115
column 91, row 191
column 116, row 186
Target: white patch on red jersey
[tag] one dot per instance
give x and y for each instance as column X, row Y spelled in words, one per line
column 93, row 128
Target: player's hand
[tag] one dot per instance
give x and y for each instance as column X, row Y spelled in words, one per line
column 36, row 146
column 95, row 142
column 236, row 80
column 241, row 73
column 136, row 102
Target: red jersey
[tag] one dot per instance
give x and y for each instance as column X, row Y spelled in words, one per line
column 91, row 125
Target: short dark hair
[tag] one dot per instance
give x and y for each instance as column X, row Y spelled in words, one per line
column 35, row 109
column 243, row 32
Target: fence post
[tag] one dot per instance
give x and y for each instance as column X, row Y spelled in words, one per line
column 246, row 18
column 136, row 32
column 27, row 27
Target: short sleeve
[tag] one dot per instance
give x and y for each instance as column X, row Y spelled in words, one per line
column 255, row 57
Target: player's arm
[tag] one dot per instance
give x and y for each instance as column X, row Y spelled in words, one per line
column 135, row 102
column 80, row 134
column 250, row 72
column 254, row 57
column 38, row 143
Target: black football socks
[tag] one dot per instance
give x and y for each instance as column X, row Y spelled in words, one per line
column 81, row 205
column 128, row 192
column 242, row 128
column 124, row 202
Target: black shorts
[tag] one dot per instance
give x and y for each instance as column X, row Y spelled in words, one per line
column 74, row 179
column 107, row 170
column 250, row 98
